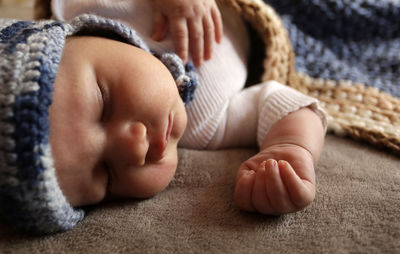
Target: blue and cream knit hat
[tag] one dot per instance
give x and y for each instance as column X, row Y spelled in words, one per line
column 30, row 197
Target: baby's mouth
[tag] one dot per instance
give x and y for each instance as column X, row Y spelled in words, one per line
column 158, row 150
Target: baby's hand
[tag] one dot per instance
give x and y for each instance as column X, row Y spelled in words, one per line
column 194, row 25
column 279, row 179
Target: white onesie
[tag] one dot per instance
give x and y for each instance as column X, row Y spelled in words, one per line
column 223, row 113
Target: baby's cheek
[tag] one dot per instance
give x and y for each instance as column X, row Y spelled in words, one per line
column 164, row 175
column 82, row 191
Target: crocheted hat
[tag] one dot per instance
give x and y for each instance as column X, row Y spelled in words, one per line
column 30, row 197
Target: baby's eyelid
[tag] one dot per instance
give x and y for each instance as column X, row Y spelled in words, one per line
column 105, row 100
column 109, row 175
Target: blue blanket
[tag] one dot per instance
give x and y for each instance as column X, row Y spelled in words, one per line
column 357, row 40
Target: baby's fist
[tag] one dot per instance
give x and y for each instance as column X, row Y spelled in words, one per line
column 272, row 187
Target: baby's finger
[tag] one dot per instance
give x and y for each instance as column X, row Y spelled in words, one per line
column 302, row 192
column 260, row 197
column 196, row 41
column 179, row 33
column 278, row 195
column 160, row 26
column 243, row 189
column 209, row 35
column 218, row 27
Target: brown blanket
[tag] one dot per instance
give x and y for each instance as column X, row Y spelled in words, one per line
column 356, row 210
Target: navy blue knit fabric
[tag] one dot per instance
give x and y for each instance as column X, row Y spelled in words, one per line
column 358, row 40
column 29, row 194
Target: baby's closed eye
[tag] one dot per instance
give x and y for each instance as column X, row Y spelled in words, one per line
column 104, row 98
column 108, row 170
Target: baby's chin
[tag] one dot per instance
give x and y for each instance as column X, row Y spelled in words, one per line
column 154, row 179
column 149, row 188
column 161, row 180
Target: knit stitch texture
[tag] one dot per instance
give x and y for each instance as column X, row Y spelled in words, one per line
column 29, row 192
column 357, row 40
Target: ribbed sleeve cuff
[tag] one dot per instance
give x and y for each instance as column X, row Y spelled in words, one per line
column 280, row 102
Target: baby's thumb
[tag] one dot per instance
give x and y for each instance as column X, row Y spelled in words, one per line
column 160, row 25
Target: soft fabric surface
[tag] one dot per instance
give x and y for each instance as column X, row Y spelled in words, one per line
column 355, row 44
column 356, row 210
column 351, row 42
column 357, row 40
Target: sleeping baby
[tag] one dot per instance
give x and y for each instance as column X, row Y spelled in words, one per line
column 122, row 105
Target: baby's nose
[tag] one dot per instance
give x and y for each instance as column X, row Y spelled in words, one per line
column 135, row 144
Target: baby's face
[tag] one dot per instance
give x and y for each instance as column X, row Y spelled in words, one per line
column 115, row 122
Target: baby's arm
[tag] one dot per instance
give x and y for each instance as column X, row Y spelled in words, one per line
column 289, row 128
column 280, row 178
column 194, row 26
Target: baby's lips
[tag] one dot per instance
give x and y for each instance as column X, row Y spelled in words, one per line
column 158, row 150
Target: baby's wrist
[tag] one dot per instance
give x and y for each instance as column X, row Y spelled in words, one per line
column 282, row 151
column 302, row 128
